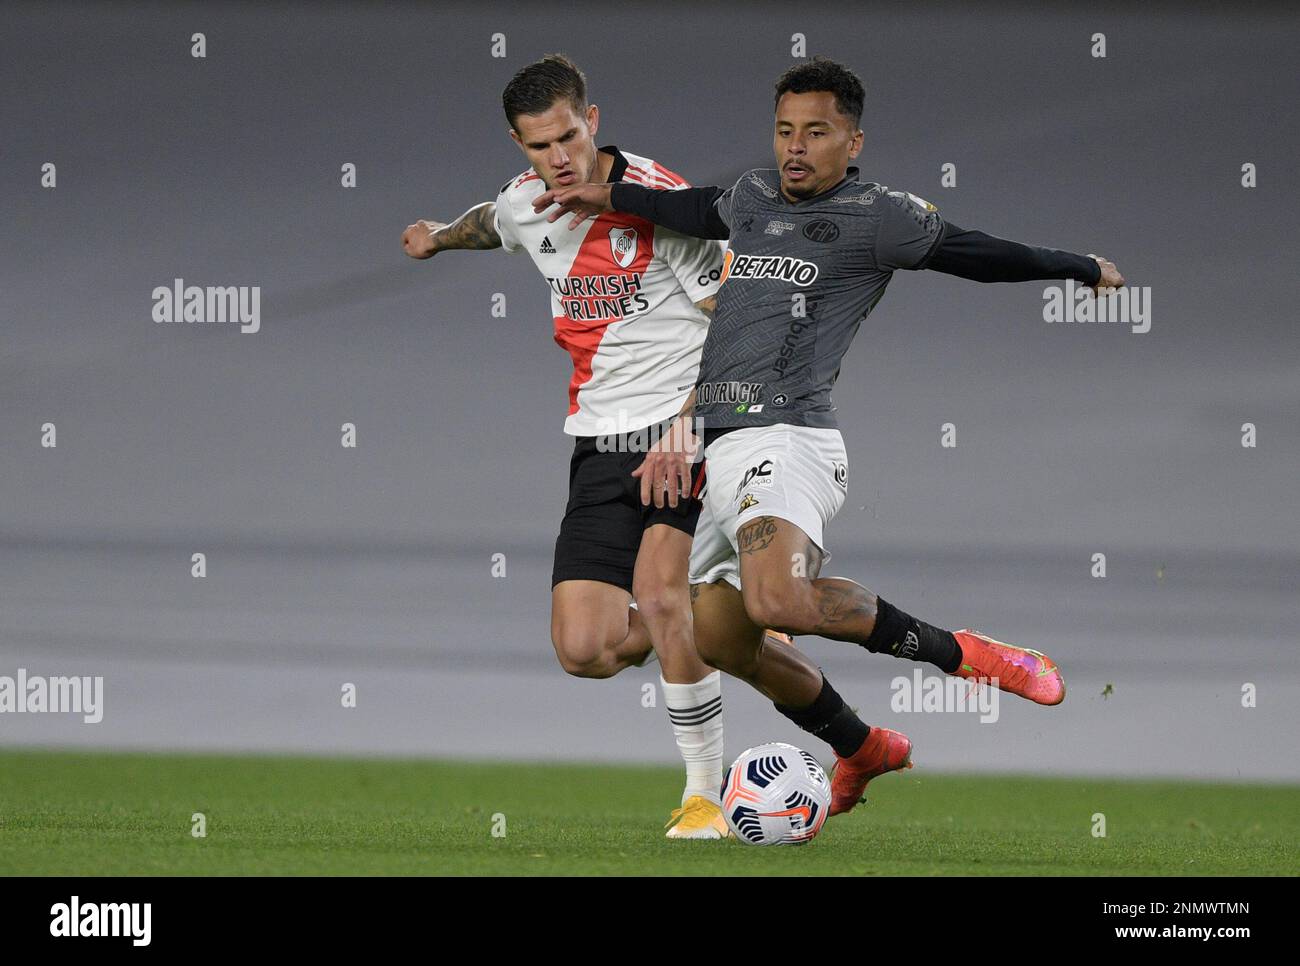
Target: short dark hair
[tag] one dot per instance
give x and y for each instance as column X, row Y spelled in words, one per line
column 822, row 74
column 536, row 87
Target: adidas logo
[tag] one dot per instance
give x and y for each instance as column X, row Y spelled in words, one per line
column 547, row 248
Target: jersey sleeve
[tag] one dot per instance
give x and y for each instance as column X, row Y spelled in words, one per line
column 696, row 262
column 686, row 210
column 504, row 223
column 908, row 232
column 724, row 205
column 981, row 257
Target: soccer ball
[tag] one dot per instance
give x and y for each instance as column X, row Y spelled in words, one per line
column 776, row 794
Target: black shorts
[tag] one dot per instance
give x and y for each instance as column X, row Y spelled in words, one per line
column 604, row 519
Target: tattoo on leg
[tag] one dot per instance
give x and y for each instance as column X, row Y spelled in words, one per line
column 695, row 593
column 756, row 536
column 839, row 604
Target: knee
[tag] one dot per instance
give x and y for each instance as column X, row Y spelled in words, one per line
column 582, row 652
column 660, row 606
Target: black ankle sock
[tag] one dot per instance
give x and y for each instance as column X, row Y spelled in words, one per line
column 831, row 720
column 902, row 635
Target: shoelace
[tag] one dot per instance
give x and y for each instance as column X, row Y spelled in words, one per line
column 1015, row 675
column 681, row 813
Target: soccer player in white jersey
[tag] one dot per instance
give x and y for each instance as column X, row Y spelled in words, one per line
column 631, row 304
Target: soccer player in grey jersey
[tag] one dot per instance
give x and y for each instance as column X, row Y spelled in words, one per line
column 811, row 250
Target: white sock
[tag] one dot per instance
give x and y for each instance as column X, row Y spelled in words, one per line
column 695, row 711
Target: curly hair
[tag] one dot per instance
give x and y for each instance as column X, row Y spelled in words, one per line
column 822, row 74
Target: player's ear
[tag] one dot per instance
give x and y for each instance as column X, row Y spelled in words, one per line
column 855, row 146
column 514, row 136
column 593, row 119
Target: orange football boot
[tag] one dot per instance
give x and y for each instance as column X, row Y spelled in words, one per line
column 1030, row 674
column 883, row 751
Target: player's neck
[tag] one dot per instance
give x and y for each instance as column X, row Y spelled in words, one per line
column 604, row 165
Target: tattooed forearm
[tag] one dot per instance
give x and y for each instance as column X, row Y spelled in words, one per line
column 695, row 593
column 708, row 306
column 756, row 536
column 474, row 229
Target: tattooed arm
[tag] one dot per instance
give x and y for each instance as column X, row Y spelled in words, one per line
column 474, row 229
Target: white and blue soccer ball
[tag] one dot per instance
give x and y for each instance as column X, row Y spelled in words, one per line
column 776, row 794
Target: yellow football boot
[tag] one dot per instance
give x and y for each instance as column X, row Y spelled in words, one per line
column 698, row 818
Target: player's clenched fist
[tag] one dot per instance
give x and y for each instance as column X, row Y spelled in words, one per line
column 417, row 240
column 583, row 201
column 1110, row 276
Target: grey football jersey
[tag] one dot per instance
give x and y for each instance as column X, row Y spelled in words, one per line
column 798, row 279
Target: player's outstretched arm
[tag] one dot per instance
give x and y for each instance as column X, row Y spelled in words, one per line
column 981, row 257
column 690, row 211
column 474, row 229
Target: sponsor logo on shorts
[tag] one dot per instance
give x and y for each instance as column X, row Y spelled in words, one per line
column 749, row 501
column 760, row 475
column 842, row 475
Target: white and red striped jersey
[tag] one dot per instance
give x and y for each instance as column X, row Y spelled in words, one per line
column 623, row 294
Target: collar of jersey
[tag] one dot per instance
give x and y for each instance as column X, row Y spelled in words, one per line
column 619, row 167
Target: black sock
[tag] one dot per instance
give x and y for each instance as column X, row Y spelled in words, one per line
column 831, row 720
column 902, row 635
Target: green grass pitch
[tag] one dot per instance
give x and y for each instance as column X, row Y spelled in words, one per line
column 64, row 813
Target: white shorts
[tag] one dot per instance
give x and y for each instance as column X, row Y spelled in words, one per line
column 796, row 473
